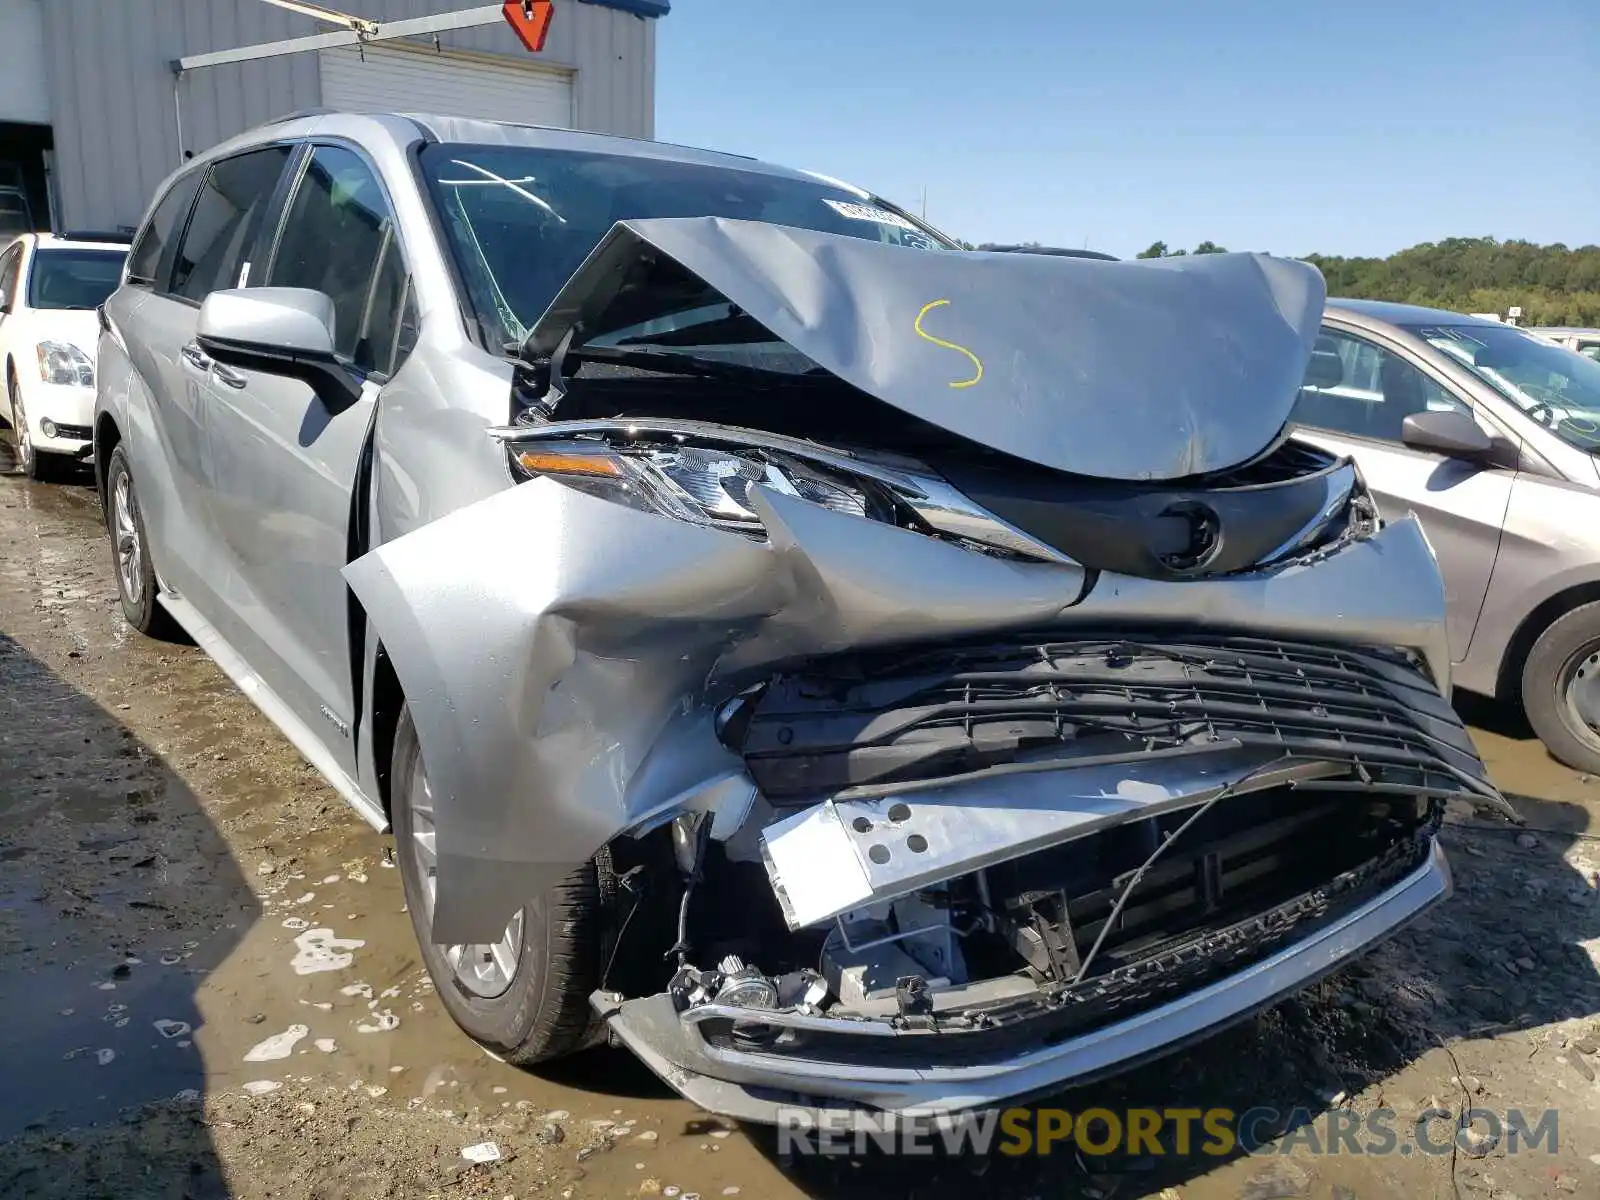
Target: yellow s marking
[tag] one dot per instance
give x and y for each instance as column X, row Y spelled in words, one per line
column 977, row 363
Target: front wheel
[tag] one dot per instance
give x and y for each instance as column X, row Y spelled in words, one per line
column 34, row 465
column 1561, row 688
column 526, row 997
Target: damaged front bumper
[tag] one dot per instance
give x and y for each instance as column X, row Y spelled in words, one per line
column 757, row 1085
column 583, row 675
column 935, row 764
column 564, row 656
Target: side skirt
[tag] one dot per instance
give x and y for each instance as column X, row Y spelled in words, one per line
column 273, row 708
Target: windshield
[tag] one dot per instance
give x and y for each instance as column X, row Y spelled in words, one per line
column 73, row 278
column 522, row 219
column 1554, row 386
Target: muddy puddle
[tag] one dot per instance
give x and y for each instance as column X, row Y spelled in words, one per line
column 209, row 985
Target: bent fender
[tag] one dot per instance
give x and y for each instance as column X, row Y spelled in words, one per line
column 561, row 653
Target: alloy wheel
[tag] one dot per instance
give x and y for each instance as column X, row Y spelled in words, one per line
column 19, row 429
column 125, row 536
column 484, row 971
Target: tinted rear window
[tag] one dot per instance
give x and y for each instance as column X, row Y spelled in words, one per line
column 226, row 222
column 152, row 249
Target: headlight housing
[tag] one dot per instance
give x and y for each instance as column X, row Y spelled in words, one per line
column 64, row 363
column 1293, row 502
column 703, row 484
column 700, row 472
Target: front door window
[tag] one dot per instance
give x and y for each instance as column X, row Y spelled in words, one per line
column 1354, row 386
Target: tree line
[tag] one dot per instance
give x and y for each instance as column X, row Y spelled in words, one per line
column 1553, row 285
column 1159, row 250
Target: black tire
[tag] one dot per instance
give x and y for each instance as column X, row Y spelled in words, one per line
column 142, row 610
column 545, row 1012
column 1568, row 650
column 36, row 466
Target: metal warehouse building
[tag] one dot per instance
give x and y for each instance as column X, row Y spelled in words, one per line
column 93, row 112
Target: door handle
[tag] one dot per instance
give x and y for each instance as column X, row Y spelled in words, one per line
column 195, row 357
column 228, row 375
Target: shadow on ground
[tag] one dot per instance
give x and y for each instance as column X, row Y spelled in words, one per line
column 1495, row 716
column 117, row 898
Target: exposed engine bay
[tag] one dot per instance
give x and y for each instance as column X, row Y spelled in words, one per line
column 1056, row 936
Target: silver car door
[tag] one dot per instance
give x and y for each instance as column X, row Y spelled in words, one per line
column 162, row 433
column 1357, row 394
column 217, row 243
column 287, row 460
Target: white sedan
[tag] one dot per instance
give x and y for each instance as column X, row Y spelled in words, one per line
column 50, row 287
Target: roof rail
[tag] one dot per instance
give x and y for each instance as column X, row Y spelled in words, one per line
column 300, row 113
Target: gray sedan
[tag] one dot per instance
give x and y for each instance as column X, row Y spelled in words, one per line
column 1491, row 437
column 846, row 672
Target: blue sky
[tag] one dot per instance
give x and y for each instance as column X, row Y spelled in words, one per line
column 1341, row 126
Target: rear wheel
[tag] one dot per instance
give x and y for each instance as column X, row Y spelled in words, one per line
column 1561, row 688
column 526, row 997
column 130, row 553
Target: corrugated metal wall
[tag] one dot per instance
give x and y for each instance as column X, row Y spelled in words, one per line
column 112, row 87
column 22, row 98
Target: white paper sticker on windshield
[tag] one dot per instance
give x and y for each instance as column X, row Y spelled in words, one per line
column 869, row 212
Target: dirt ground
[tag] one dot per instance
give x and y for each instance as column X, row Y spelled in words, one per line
column 209, row 987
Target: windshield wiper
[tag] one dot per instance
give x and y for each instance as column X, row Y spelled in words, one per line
column 673, row 363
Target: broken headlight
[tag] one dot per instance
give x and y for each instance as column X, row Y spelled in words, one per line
column 701, row 472
column 709, row 486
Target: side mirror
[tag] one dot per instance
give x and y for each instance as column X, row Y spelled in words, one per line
column 1446, row 432
column 278, row 331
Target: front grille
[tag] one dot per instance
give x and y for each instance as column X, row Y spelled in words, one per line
column 852, row 724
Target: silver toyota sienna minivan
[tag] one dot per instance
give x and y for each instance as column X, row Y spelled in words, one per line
column 847, row 670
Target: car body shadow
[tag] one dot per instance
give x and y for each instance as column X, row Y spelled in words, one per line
column 1496, row 716
column 118, row 898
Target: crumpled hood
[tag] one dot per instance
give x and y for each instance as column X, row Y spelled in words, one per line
column 1136, row 370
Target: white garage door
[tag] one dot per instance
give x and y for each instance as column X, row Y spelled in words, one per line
column 417, row 79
